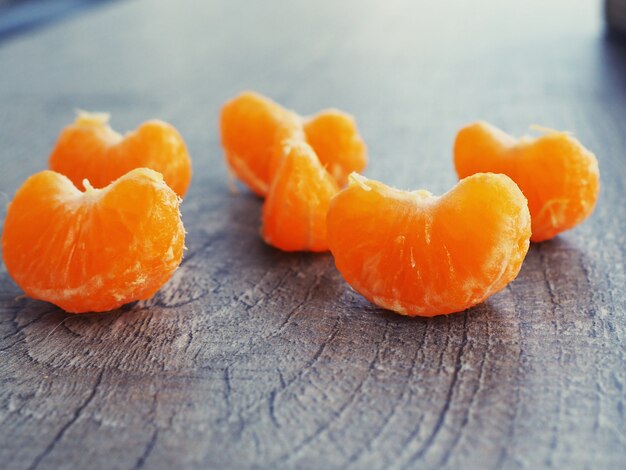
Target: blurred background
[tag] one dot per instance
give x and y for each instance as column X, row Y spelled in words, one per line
column 17, row 16
column 415, row 69
column 20, row 14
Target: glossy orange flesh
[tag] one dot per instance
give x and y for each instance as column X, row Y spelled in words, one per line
column 90, row 149
column 336, row 141
column 418, row 254
column 94, row 250
column 294, row 213
column 559, row 177
column 253, row 129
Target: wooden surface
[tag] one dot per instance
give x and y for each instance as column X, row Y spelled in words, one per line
column 253, row 358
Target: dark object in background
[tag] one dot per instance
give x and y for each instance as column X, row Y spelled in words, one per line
column 18, row 16
column 615, row 15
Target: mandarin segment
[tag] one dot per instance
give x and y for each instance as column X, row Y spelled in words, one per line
column 251, row 125
column 253, row 129
column 334, row 137
column 94, row 250
column 422, row 255
column 555, row 172
column 294, row 213
column 90, row 149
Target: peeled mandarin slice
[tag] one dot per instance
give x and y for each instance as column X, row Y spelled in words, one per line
column 285, row 140
column 94, row 250
column 250, row 127
column 418, row 254
column 90, row 149
column 253, row 129
column 334, row 137
column 555, row 172
column 294, row 213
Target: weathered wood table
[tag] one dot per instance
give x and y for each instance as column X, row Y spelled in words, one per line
column 253, row 358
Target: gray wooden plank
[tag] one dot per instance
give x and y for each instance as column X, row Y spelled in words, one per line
column 253, row 358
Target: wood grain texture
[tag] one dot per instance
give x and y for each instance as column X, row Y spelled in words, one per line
column 253, row 358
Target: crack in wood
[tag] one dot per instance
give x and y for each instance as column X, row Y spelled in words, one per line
column 447, row 402
column 59, row 435
column 141, row 462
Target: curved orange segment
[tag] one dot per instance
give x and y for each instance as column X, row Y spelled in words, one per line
column 418, row 254
column 254, row 128
column 90, row 149
column 251, row 126
column 336, row 141
column 294, row 213
column 94, row 250
column 559, row 176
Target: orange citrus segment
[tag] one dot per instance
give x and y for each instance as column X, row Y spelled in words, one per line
column 90, row 149
column 253, row 129
column 555, row 172
column 94, row 250
column 294, row 213
column 418, row 254
column 336, row 141
column 250, row 126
